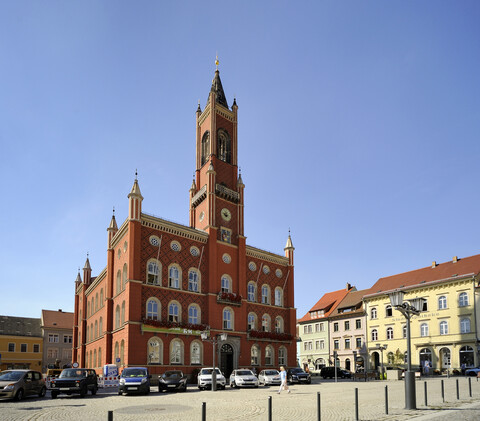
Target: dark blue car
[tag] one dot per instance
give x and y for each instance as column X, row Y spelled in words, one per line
column 134, row 380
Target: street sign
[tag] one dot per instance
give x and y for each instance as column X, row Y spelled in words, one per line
column 117, row 360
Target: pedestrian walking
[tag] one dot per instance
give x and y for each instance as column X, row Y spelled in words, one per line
column 283, row 378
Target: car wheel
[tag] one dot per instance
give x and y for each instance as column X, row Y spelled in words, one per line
column 43, row 392
column 309, row 381
column 184, row 389
column 120, row 392
column 223, row 387
column 200, row 388
column 83, row 391
column 94, row 390
column 232, row 384
column 20, row 394
column 54, row 395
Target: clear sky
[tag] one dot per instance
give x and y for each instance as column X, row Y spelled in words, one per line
column 359, row 128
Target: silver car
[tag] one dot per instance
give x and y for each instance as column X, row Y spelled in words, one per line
column 243, row 377
column 269, row 377
column 20, row 383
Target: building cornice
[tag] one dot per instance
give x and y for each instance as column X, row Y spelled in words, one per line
column 173, row 228
column 120, row 233
column 266, row 255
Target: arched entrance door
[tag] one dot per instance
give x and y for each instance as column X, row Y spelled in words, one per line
column 425, row 360
column 375, row 360
column 445, row 358
column 226, row 360
column 347, row 364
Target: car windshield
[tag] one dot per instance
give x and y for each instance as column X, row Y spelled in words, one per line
column 172, row 375
column 297, row 370
column 72, row 372
column 244, row 373
column 8, row 376
column 271, row 372
column 134, row 372
column 209, row 371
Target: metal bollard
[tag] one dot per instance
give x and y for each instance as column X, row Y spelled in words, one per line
column 269, row 408
column 443, row 392
column 386, row 400
column 458, row 391
column 426, row 403
column 470, row 386
column 356, row 404
column 319, row 413
column 110, row 415
column 204, row 411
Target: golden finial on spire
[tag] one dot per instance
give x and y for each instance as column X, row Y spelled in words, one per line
column 216, row 62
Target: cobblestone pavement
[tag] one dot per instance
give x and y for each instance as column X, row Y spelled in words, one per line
column 337, row 403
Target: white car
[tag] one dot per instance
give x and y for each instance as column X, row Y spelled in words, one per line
column 205, row 378
column 268, row 377
column 243, row 377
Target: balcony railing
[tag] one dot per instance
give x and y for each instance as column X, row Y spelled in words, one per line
column 230, row 298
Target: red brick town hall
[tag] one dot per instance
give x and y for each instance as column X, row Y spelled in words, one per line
column 165, row 283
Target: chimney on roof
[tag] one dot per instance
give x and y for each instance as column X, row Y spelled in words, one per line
column 434, row 264
column 455, row 259
column 349, row 287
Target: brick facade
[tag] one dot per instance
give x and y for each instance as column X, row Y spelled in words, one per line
column 164, row 283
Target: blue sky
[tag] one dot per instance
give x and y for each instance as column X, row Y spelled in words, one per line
column 358, row 130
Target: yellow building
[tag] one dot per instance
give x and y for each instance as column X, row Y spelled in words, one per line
column 444, row 334
column 20, row 343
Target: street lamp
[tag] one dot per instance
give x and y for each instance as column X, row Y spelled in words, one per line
column 382, row 348
column 408, row 308
column 205, row 335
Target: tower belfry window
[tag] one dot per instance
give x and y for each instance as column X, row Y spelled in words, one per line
column 224, row 148
column 205, row 147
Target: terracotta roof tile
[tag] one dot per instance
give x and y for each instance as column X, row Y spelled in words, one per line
column 57, row 319
column 460, row 268
column 327, row 304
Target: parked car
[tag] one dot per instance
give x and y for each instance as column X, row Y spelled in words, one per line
column 472, row 371
column 134, row 380
column 269, row 377
column 52, row 373
column 74, row 381
column 330, row 373
column 297, row 375
column 243, row 377
column 20, row 383
column 205, row 378
column 173, row 380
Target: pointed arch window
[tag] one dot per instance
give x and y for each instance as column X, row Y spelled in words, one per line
column 176, row 352
column 226, row 284
column 117, row 317
column 205, row 147
column 118, row 286
column 227, row 319
column 124, row 276
column 251, row 292
column 100, row 326
column 266, row 323
column 155, row 351
column 265, row 294
column 101, row 298
column 193, row 280
column 193, row 314
column 252, row 321
column 153, row 309
column 174, row 312
column 173, row 277
column 279, row 324
column 122, row 314
column 282, row 356
column 224, row 147
column 195, row 352
column 278, row 296
column 255, row 355
column 154, row 272
column 268, row 355
column 96, row 330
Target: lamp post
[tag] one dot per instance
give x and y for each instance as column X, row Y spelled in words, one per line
column 205, row 335
column 408, row 308
column 382, row 348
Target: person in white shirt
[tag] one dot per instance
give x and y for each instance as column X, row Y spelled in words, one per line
column 283, row 378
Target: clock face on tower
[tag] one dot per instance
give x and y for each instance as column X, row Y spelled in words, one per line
column 226, row 215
